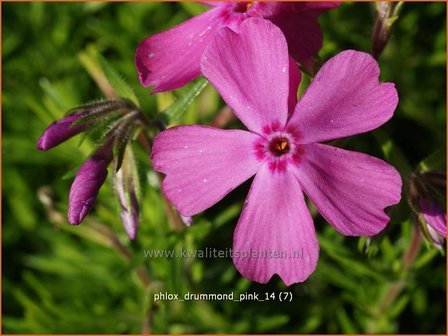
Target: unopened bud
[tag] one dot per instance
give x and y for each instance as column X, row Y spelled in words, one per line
column 425, row 191
column 386, row 14
column 87, row 183
column 60, row 131
column 126, row 185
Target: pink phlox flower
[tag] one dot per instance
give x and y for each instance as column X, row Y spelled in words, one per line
column 171, row 59
column 275, row 233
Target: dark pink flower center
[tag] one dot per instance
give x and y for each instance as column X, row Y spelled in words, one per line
column 279, row 147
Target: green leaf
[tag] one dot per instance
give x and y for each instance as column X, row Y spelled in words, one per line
column 182, row 104
column 346, row 324
column 120, row 86
column 435, row 161
column 399, row 306
column 392, row 153
column 71, row 173
column 193, row 8
column 271, row 323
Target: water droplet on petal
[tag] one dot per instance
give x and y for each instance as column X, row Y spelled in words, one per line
column 284, row 69
column 205, row 180
column 186, row 147
column 152, row 55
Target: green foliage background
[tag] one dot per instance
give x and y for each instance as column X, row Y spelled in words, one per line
column 91, row 278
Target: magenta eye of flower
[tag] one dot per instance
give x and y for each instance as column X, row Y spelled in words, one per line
column 279, row 146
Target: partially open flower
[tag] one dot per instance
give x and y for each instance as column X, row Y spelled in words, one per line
column 425, row 193
column 435, row 217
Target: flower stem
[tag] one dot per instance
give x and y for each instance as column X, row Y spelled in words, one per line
column 108, row 236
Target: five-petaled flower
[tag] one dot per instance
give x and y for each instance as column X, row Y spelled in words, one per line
column 171, row 59
column 282, row 149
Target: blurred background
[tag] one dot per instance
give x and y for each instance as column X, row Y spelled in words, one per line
column 92, row 279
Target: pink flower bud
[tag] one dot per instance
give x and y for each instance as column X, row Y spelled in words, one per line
column 59, row 131
column 88, row 182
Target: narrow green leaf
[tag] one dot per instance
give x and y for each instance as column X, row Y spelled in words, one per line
column 399, row 306
column 71, row 173
column 120, row 86
column 193, row 8
column 346, row 324
column 426, row 258
column 181, row 105
column 270, row 323
column 392, row 153
column 435, row 161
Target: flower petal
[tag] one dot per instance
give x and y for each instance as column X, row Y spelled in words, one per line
column 203, row 164
column 345, row 98
column 295, row 76
column 303, row 34
column 275, row 234
column 434, row 215
column 268, row 9
column 318, row 8
column 212, row 3
column 170, row 59
column 250, row 71
column 349, row 189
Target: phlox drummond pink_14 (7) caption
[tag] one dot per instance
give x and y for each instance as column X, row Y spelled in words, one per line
column 171, row 59
column 282, row 148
